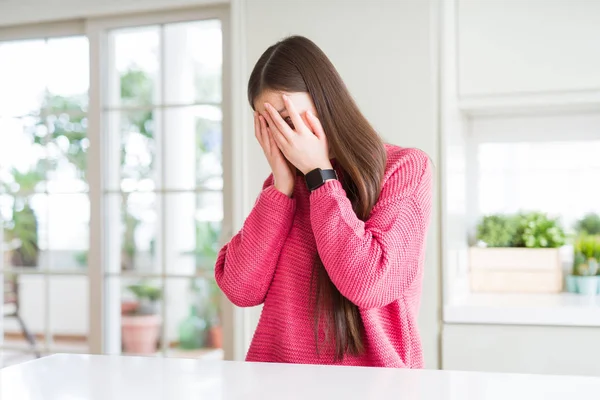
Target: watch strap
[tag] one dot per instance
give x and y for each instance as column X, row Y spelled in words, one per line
column 317, row 177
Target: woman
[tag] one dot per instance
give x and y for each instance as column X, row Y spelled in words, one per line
column 334, row 246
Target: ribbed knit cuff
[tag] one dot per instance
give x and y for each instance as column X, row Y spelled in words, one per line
column 278, row 200
column 331, row 187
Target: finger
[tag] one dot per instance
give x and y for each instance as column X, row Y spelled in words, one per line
column 278, row 122
column 315, row 125
column 305, row 119
column 294, row 115
column 273, row 143
column 280, row 141
column 275, row 133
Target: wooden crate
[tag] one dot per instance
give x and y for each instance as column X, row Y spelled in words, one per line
column 515, row 270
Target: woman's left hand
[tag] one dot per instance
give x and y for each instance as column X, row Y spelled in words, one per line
column 305, row 146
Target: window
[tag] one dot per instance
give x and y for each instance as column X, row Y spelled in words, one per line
column 111, row 187
column 537, row 163
column 162, row 119
column 556, row 177
column 44, row 201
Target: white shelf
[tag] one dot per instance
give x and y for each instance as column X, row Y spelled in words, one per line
column 525, row 103
column 563, row 309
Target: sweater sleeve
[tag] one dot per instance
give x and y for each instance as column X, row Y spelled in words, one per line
column 373, row 262
column 245, row 266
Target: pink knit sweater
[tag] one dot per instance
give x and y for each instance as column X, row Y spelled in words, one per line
column 377, row 264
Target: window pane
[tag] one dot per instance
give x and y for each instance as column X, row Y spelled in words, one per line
column 556, row 177
column 68, row 231
column 69, row 312
column 66, row 147
column 136, row 69
column 24, row 70
column 132, row 223
column 24, row 294
column 139, row 223
column 193, row 62
column 68, row 73
column 193, row 318
column 25, row 230
column 132, row 151
column 193, row 148
column 192, row 232
column 22, row 154
column 134, row 315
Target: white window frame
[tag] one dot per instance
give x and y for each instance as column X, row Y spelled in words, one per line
column 43, row 31
column 533, row 127
column 234, row 151
column 97, row 30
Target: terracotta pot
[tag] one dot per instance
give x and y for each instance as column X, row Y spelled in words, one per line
column 140, row 333
column 128, row 307
column 215, row 337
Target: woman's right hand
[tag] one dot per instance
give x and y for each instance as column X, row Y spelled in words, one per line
column 284, row 173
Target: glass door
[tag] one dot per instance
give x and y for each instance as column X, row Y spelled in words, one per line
column 44, row 197
column 162, row 187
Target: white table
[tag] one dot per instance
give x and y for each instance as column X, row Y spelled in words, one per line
column 82, row 377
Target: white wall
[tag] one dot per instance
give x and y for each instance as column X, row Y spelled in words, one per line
column 386, row 53
column 528, row 46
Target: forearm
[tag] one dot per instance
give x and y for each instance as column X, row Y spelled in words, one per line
column 245, row 266
column 370, row 263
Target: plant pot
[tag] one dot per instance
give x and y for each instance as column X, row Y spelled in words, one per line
column 587, row 285
column 215, row 337
column 571, row 283
column 19, row 259
column 128, row 307
column 515, row 270
column 140, row 333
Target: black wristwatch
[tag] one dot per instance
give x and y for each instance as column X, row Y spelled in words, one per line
column 317, row 177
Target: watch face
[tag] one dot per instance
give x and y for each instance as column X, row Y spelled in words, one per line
column 314, row 179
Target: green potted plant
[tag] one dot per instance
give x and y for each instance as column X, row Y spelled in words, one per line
column 585, row 265
column 202, row 326
column 589, row 224
column 193, row 328
column 517, row 253
column 204, row 317
column 21, row 231
column 140, row 325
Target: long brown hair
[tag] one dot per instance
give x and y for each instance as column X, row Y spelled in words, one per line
column 296, row 64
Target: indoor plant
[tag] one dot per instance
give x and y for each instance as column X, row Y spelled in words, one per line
column 517, row 253
column 21, row 231
column 140, row 325
column 585, row 264
column 193, row 328
column 589, row 224
column 207, row 295
column 202, row 327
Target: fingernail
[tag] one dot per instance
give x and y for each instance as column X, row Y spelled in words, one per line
column 266, row 105
column 310, row 114
column 285, row 97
